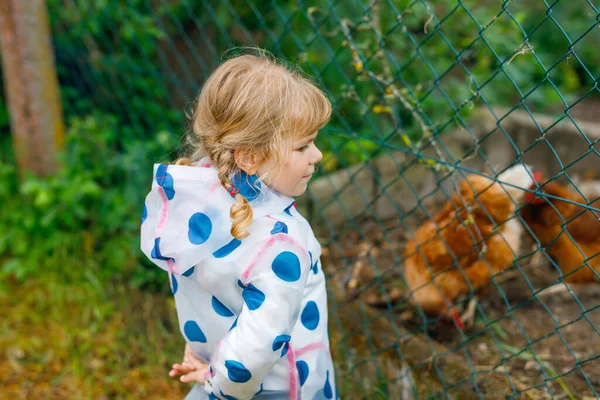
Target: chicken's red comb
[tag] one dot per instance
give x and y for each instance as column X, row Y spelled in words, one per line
column 530, row 197
column 456, row 318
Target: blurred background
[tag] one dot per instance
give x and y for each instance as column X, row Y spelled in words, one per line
column 94, row 92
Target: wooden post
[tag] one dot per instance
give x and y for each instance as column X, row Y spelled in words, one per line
column 31, row 85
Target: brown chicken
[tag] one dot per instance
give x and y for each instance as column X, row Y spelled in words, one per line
column 569, row 233
column 473, row 237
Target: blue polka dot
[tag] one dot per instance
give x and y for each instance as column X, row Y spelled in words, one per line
column 285, row 349
column 144, row 214
column 193, row 332
column 310, row 316
column 248, row 185
column 288, row 209
column 302, row 368
column 226, row 397
column 315, row 267
column 234, row 324
column 174, row 282
column 165, row 180
column 156, row 251
column 227, row 249
column 253, row 297
column 260, row 390
column 240, row 284
column 189, row 272
column 212, row 397
column 287, row 266
column 279, row 227
column 220, row 308
column 237, row 372
column 327, row 389
column 200, row 228
column 280, row 341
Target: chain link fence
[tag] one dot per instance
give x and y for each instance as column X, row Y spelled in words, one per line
column 424, row 93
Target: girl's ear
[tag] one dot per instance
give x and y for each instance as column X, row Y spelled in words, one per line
column 246, row 160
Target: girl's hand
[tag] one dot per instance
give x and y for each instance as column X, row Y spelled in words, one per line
column 199, row 370
column 184, row 367
column 191, row 369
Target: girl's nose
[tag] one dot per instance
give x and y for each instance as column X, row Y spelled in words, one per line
column 317, row 155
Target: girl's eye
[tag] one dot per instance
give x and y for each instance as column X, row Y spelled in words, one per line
column 303, row 148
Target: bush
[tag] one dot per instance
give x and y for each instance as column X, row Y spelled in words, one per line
column 84, row 222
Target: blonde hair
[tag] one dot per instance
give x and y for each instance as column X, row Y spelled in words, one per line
column 254, row 103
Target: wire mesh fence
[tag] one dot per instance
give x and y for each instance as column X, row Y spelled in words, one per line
column 431, row 98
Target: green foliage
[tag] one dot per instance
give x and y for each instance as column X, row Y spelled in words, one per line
column 83, row 222
column 4, row 117
column 107, row 57
column 442, row 57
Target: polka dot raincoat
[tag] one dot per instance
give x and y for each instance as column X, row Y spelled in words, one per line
column 254, row 309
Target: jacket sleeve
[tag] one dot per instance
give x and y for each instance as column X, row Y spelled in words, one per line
column 272, row 285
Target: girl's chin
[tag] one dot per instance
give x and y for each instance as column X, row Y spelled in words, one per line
column 300, row 189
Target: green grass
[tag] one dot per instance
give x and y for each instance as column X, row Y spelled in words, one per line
column 73, row 341
column 92, row 341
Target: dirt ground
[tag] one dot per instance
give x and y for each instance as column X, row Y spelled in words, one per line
column 534, row 346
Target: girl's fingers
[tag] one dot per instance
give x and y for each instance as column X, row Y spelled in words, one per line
column 179, row 369
column 173, row 373
column 195, row 363
column 189, row 367
column 195, row 376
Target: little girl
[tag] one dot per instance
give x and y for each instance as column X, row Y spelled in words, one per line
column 243, row 263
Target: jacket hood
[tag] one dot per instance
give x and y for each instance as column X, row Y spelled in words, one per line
column 186, row 217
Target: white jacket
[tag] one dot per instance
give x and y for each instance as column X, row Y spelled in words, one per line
column 255, row 309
